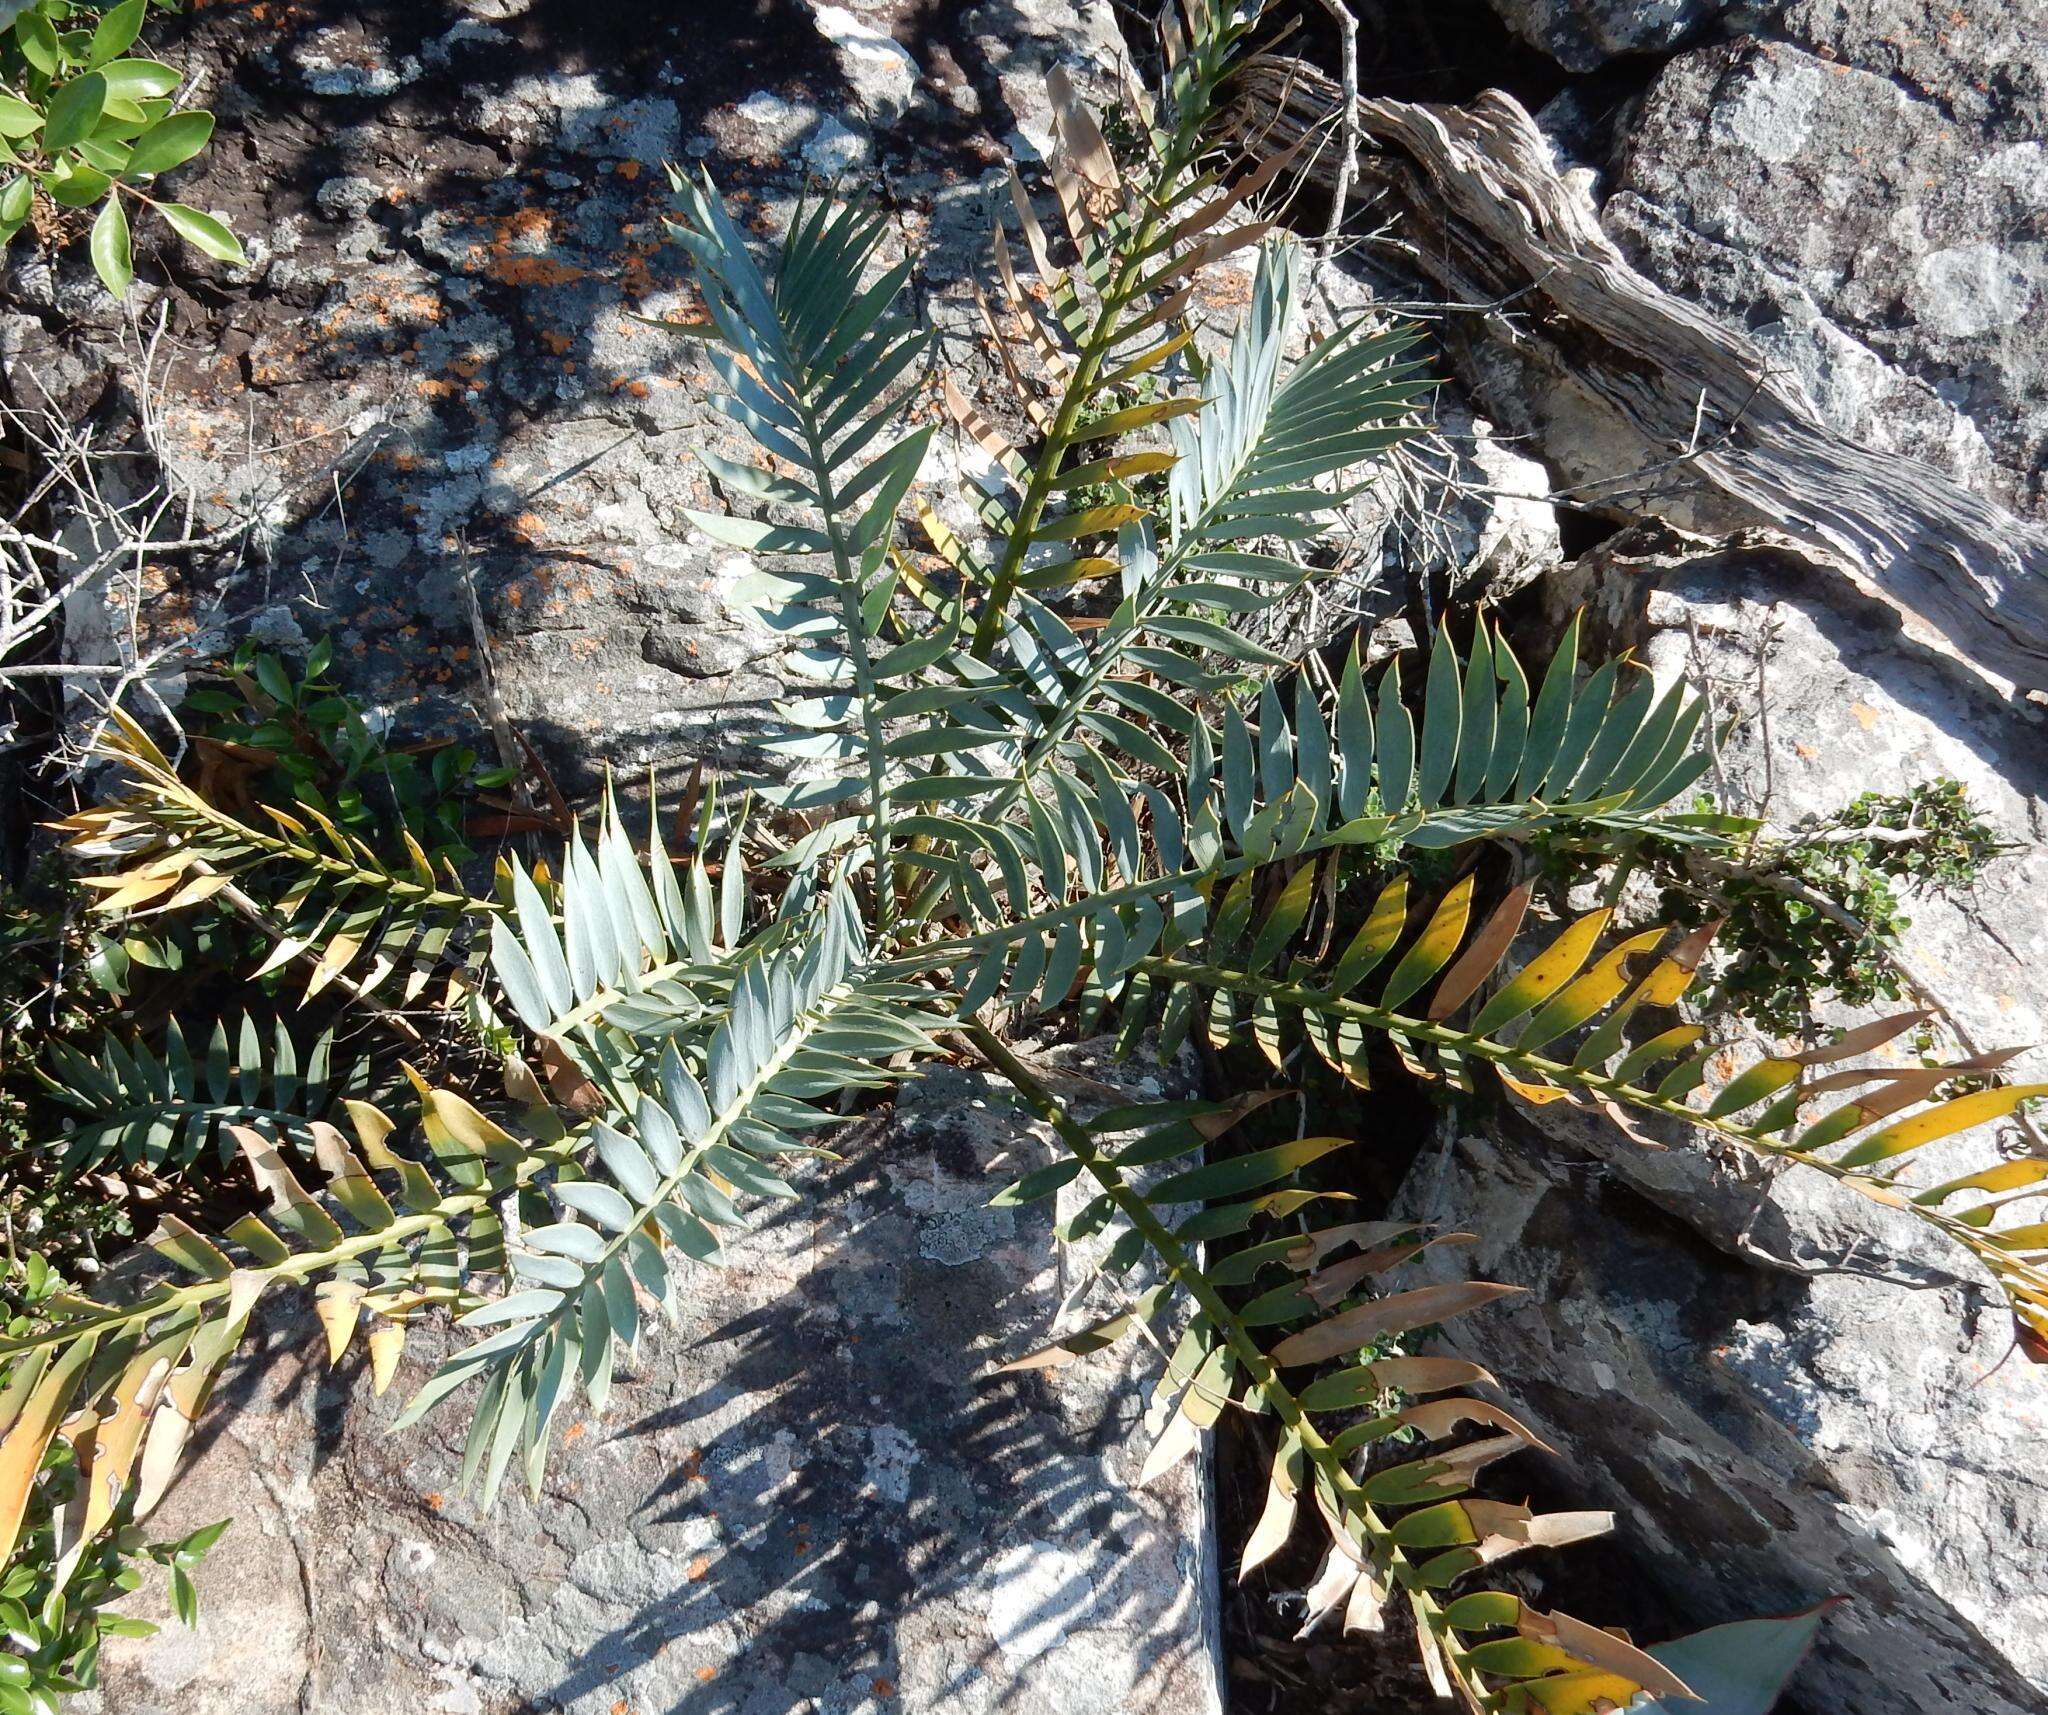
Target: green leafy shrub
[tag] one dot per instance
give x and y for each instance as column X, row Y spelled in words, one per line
column 292, row 735
column 86, row 123
column 993, row 813
column 1816, row 916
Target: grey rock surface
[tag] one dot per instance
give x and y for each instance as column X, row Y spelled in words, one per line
column 431, row 382
column 1785, row 1391
column 806, row 1497
column 1862, row 188
column 1584, row 34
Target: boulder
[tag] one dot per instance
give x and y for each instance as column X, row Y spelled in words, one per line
column 1871, row 213
column 432, row 395
column 807, row 1496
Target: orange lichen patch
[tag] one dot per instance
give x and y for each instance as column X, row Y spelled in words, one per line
column 1866, row 716
column 516, row 252
column 692, row 1468
column 382, row 302
column 705, row 1675
column 530, row 528
column 573, row 1433
column 268, row 372
column 1225, row 289
column 627, row 169
column 1805, row 752
column 698, row 1569
column 534, row 271
column 467, row 366
column 435, row 388
column 527, row 225
column 434, row 1500
column 557, row 341
column 882, row 1687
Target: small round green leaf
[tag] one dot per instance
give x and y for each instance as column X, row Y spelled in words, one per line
column 108, row 157
column 37, row 39
column 17, row 117
column 171, row 142
column 15, row 199
column 204, row 231
column 111, row 254
column 135, row 80
column 74, row 111
column 116, row 31
column 78, row 187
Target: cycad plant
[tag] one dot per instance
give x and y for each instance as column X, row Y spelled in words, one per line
column 1039, row 775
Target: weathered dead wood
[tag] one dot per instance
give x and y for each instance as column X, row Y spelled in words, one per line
column 1613, row 374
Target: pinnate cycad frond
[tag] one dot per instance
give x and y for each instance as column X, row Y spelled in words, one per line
column 817, row 368
column 806, row 1023
column 1244, row 477
column 161, row 1111
column 1074, row 348
column 388, row 1233
column 617, row 937
column 1294, row 1327
column 339, row 909
column 1119, row 861
column 392, row 1231
column 1578, row 1021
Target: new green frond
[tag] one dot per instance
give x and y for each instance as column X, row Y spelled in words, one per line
column 706, row 1121
column 817, row 369
column 160, row 1112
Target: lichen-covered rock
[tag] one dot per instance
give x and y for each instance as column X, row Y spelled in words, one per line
column 434, row 380
column 1859, row 192
column 806, row 1498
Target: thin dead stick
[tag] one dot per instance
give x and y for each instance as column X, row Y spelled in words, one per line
column 68, row 670
column 495, row 716
column 1347, row 165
